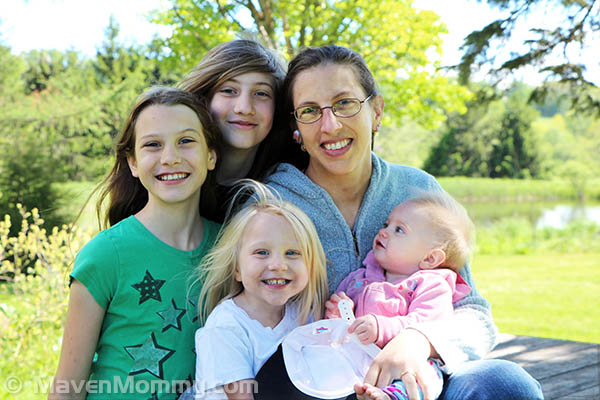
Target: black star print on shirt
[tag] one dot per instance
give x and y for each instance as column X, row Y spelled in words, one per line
column 149, row 288
column 148, row 357
column 172, row 316
column 195, row 305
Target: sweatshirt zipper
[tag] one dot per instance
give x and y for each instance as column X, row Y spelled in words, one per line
column 355, row 244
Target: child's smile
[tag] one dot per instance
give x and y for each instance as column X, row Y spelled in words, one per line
column 171, row 156
column 270, row 266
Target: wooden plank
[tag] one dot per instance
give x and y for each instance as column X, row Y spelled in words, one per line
column 566, row 370
column 564, row 364
column 568, row 384
column 528, row 350
column 592, row 393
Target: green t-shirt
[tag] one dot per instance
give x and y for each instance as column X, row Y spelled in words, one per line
column 146, row 344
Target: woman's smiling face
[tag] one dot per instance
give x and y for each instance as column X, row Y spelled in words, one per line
column 337, row 146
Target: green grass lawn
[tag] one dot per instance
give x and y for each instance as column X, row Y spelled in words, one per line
column 551, row 295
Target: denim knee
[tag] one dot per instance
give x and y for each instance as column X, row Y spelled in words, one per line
column 491, row 380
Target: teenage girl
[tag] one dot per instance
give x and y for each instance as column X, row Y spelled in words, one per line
column 265, row 276
column 130, row 325
column 242, row 81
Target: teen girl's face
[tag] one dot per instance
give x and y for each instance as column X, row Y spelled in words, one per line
column 404, row 241
column 171, row 157
column 270, row 264
column 243, row 108
column 337, row 146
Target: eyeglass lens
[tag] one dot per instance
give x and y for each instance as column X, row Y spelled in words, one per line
column 342, row 108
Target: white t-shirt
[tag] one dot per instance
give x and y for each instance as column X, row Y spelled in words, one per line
column 232, row 346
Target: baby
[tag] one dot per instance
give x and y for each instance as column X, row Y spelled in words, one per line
column 410, row 276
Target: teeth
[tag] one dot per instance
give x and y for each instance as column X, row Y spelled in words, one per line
column 337, row 145
column 275, row 281
column 172, row 177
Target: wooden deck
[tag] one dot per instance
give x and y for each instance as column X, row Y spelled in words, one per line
column 566, row 370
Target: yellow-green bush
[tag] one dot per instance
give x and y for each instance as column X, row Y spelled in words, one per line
column 33, row 302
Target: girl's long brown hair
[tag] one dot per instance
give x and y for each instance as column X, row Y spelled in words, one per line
column 125, row 193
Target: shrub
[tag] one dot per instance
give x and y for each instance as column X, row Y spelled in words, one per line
column 518, row 236
column 31, row 317
column 26, row 177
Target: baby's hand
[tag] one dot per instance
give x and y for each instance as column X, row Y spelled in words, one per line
column 331, row 305
column 365, row 328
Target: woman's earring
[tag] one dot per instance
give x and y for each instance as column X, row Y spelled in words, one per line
column 298, row 139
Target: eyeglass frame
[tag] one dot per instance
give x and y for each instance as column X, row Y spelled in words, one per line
column 361, row 102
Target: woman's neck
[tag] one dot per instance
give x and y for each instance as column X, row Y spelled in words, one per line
column 178, row 225
column 347, row 191
column 235, row 164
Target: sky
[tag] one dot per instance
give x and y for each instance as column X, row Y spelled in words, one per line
column 73, row 24
column 80, row 25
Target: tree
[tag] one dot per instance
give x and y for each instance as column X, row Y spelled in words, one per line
column 395, row 39
column 26, row 179
column 465, row 145
column 549, row 50
column 491, row 140
column 11, row 69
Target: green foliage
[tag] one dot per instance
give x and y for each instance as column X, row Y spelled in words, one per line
column 407, row 143
column 465, row 144
column 26, row 177
column 57, row 124
column 491, row 140
column 31, row 327
column 76, row 105
column 570, row 148
column 549, row 48
column 481, row 189
column 519, row 236
column 396, row 40
column 42, row 65
column 11, row 69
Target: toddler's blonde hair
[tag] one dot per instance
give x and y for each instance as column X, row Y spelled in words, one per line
column 217, row 271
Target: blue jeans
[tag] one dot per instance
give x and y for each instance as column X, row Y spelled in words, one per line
column 491, row 380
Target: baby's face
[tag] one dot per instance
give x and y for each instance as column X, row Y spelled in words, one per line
column 404, row 241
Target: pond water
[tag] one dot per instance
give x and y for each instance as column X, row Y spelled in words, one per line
column 539, row 214
column 561, row 215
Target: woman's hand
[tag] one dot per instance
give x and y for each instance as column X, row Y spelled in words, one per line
column 331, row 305
column 404, row 357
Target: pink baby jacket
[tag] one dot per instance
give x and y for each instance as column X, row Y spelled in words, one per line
column 424, row 296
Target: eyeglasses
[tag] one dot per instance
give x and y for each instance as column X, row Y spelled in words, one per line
column 344, row 108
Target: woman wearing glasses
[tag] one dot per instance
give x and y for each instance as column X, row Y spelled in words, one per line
column 348, row 192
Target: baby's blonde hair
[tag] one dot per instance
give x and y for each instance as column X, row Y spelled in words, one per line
column 217, row 270
column 454, row 231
